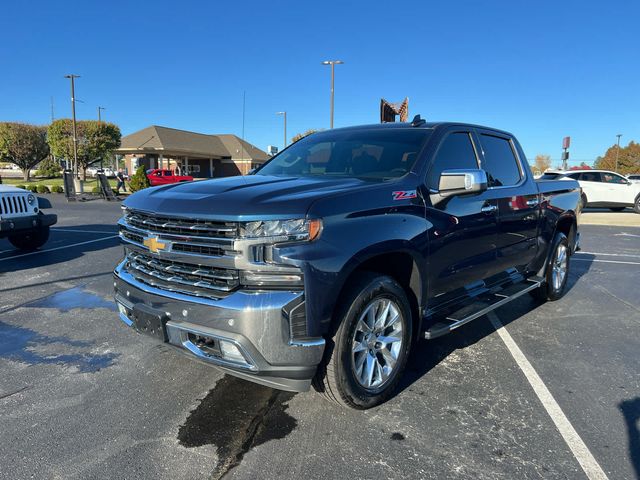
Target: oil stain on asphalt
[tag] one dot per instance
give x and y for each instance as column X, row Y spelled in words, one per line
column 236, row 416
column 76, row 297
column 17, row 343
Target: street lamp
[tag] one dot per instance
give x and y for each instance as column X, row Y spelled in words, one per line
column 99, row 117
column 333, row 63
column 618, row 150
column 72, row 77
column 284, row 145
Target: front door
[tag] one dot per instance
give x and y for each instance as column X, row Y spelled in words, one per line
column 462, row 242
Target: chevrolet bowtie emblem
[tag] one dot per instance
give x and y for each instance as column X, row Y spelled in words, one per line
column 154, row 245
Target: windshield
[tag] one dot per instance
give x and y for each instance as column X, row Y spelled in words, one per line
column 376, row 154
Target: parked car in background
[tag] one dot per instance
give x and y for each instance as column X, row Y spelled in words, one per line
column 162, row 176
column 93, row 172
column 634, row 178
column 603, row 188
column 22, row 220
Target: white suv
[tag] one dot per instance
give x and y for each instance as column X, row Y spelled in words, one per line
column 21, row 219
column 603, row 188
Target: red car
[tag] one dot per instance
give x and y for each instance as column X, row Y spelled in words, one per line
column 158, row 176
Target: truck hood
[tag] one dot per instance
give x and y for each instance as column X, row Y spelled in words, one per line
column 246, row 198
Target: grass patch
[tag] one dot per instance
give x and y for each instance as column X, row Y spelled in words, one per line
column 53, row 182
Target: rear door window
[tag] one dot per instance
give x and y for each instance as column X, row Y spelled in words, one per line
column 455, row 152
column 500, row 161
column 590, row 177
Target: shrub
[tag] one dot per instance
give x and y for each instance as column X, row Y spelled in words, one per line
column 32, row 188
column 24, row 187
column 48, row 168
column 42, row 189
column 139, row 180
column 57, row 189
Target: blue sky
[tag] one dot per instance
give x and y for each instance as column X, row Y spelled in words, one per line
column 541, row 70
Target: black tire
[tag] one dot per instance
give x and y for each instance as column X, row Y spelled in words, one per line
column 337, row 378
column 30, row 241
column 617, row 209
column 583, row 200
column 551, row 289
column 636, row 205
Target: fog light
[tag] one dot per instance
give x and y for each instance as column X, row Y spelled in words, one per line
column 231, row 352
column 122, row 309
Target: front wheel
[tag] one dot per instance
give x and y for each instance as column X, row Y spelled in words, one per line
column 364, row 360
column 31, row 240
column 556, row 272
column 636, row 204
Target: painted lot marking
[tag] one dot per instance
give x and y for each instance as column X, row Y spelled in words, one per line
column 604, row 254
column 604, row 261
column 63, row 230
column 580, row 451
column 57, row 248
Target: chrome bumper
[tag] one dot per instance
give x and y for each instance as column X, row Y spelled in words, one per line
column 252, row 322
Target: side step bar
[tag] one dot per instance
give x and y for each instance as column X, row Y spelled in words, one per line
column 481, row 306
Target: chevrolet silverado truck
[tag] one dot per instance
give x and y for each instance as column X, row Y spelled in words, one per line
column 328, row 263
column 22, row 220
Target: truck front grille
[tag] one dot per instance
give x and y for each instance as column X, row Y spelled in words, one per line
column 200, row 228
column 13, row 205
column 198, row 280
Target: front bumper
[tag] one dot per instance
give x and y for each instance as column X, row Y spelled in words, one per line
column 252, row 322
column 10, row 226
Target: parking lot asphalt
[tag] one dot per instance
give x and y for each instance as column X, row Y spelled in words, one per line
column 82, row 396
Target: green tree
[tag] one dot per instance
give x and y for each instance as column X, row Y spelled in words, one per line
column 300, row 136
column 628, row 159
column 139, row 180
column 96, row 140
column 23, row 144
column 48, row 168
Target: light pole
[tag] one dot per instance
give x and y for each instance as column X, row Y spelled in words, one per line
column 333, row 63
column 73, row 112
column 618, row 150
column 99, row 116
column 284, row 145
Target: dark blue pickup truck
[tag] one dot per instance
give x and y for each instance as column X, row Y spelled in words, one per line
column 332, row 260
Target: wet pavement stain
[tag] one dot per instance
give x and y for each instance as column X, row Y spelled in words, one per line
column 397, row 436
column 73, row 298
column 16, row 343
column 235, row 416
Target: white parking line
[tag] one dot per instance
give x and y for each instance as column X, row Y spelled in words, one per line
column 58, row 248
column 580, row 451
column 63, row 230
column 581, row 252
column 604, row 261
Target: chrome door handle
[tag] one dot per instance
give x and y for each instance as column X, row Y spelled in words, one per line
column 489, row 209
column 533, row 202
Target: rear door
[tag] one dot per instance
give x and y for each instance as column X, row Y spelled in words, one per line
column 618, row 189
column 515, row 192
column 462, row 241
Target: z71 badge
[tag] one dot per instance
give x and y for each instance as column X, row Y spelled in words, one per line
column 404, row 194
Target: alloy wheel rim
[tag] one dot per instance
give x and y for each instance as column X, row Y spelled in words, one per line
column 377, row 343
column 559, row 270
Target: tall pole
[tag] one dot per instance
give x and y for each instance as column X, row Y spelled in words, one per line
column 618, row 150
column 99, row 116
column 52, row 112
column 284, row 144
column 73, row 113
column 333, row 63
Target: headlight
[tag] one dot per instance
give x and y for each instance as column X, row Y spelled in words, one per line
column 31, row 199
column 298, row 229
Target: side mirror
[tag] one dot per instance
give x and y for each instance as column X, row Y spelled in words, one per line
column 462, row 182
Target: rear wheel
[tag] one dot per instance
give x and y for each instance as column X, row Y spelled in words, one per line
column 364, row 360
column 556, row 272
column 31, row 240
column 583, row 201
column 636, row 204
